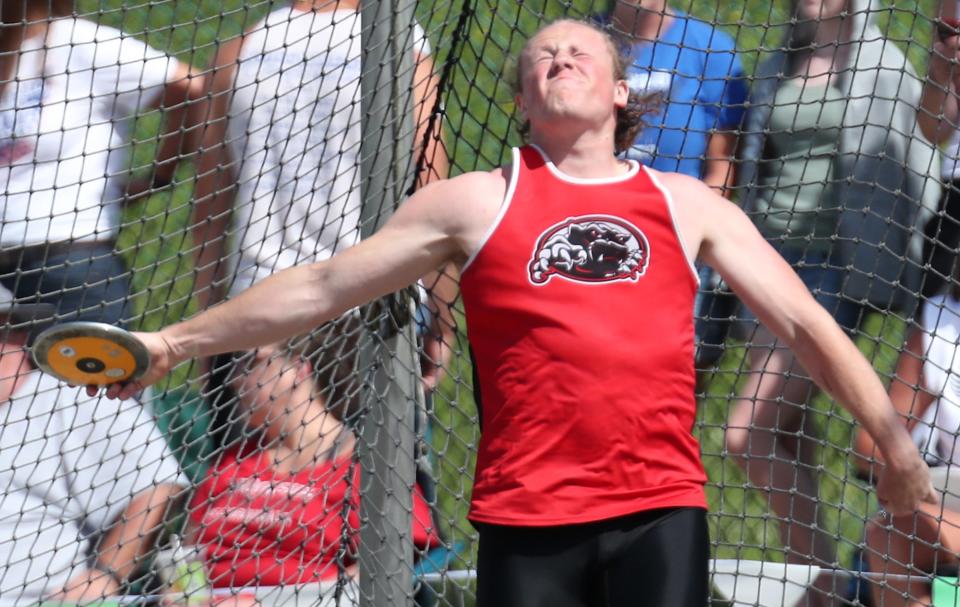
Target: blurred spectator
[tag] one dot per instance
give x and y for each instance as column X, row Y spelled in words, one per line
column 280, row 184
column 939, row 118
column 281, row 504
column 836, row 176
column 285, row 122
column 926, row 392
column 69, row 89
column 86, row 481
column 695, row 68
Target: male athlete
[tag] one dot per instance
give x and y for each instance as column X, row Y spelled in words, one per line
column 578, row 281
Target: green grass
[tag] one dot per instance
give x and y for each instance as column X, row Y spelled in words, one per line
column 478, row 110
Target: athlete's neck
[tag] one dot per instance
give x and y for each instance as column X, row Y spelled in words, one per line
column 584, row 156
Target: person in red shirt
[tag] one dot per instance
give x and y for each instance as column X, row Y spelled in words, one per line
column 280, row 505
column 578, row 281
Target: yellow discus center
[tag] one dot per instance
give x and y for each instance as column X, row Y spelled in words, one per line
column 90, row 360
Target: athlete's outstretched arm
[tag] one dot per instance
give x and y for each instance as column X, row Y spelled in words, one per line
column 909, row 394
column 427, row 231
column 729, row 242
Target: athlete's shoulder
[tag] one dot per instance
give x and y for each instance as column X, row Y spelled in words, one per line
column 458, row 206
column 694, row 201
column 680, row 186
column 471, row 187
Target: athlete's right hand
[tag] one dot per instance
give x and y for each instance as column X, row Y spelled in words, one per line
column 162, row 359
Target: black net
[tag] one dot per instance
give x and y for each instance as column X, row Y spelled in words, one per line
column 161, row 156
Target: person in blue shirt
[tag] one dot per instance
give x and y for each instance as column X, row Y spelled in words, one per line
column 696, row 69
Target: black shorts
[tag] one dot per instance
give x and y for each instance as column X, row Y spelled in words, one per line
column 651, row 559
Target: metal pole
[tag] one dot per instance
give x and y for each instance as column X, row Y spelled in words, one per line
column 390, row 364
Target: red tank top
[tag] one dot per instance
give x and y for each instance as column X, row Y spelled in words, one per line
column 579, row 309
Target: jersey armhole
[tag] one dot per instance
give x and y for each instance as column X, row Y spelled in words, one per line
column 504, row 206
column 671, row 210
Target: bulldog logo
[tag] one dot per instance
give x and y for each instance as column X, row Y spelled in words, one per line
column 594, row 248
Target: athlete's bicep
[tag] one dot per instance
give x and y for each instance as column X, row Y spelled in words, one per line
column 423, row 235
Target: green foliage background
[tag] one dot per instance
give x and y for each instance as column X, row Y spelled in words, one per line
column 478, row 111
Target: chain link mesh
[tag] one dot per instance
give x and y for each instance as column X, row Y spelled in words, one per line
column 159, row 156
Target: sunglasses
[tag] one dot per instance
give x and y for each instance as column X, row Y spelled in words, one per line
column 947, row 27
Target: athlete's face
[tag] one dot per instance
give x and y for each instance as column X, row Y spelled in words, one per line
column 567, row 74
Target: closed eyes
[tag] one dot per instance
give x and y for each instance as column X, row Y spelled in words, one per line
column 549, row 55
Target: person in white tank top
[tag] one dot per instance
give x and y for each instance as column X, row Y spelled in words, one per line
column 289, row 99
column 926, row 392
column 287, row 110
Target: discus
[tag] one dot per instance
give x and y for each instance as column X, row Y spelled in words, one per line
column 90, row 354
